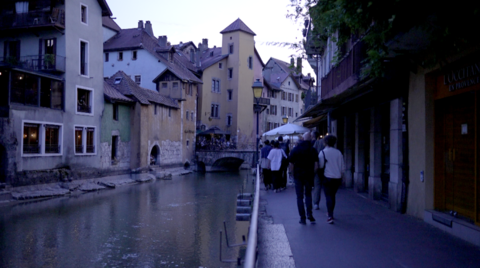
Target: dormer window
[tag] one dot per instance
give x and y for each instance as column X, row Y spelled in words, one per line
column 118, row 80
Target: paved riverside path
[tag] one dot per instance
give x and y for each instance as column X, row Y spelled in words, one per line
column 365, row 234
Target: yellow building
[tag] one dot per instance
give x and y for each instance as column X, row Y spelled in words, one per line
column 226, row 97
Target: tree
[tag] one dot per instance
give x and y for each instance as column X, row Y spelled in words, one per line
column 439, row 28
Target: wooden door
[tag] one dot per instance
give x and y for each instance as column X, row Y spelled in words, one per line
column 455, row 154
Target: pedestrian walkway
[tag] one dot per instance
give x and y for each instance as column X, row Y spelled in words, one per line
column 365, row 234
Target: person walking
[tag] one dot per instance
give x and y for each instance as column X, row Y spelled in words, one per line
column 275, row 156
column 331, row 159
column 283, row 169
column 303, row 163
column 318, row 182
column 265, row 165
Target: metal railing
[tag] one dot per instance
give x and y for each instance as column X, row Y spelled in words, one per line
column 349, row 67
column 52, row 148
column 251, row 251
column 90, row 148
column 79, row 149
column 33, row 19
column 46, row 62
column 31, row 149
column 81, row 108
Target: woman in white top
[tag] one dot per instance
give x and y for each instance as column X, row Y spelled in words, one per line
column 332, row 159
column 275, row 156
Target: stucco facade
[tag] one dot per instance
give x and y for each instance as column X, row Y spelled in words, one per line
column 69, row 61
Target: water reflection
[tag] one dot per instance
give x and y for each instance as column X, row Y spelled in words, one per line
column 161, row 224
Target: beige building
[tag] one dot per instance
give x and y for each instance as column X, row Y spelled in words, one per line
column 226, row 98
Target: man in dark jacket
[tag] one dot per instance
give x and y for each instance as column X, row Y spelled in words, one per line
column 265, row 165
column 303, row 162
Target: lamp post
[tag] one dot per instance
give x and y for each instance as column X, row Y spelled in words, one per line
column 257, row 93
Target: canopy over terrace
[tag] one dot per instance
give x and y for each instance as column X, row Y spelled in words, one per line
column 287, row 129
column 210, row 131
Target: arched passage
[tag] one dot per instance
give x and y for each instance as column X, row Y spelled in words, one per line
column 228, row 163
column 155, row 156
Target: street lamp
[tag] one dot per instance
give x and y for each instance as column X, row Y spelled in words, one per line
column 285, row 119
column 257, row 93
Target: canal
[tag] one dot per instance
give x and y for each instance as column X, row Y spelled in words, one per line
column 166, row 223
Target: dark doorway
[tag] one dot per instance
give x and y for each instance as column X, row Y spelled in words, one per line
column 155, row 156
column 114, row 149
column 3, row 164
column 385, row 130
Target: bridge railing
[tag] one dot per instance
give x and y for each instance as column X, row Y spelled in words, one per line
column 251, row 252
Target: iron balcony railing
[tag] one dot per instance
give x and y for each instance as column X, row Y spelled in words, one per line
column 52, row 148
column 345, row 74
column 31, row 149
column 78, row 149
column 47, row 62
column 33, row 19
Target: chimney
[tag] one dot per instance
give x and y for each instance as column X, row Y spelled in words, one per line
column 162, row 40
column 198, row 55
column 292, row 63
column 148, row 28
column 205, row 43
column 140, row 24
column 299, row 65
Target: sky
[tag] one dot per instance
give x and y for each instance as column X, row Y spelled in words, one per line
column 194, row 20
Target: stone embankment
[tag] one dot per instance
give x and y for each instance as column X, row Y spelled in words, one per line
column 18, row 194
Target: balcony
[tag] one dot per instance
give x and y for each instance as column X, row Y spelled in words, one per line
column 33, row 19
column 44, row 63
column 345, row 74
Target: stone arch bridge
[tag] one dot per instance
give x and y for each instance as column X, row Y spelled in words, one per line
column 224, row 160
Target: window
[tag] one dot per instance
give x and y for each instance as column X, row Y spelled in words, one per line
column 84, row 140
column 115, row 111
column 273, row 109
column 31, row 137
column 79, row 140
column 164, row 85
column 120, row 56
column 84, row 101
column 134, row 55
column 106, row 56
column 216, row 85
column 250, row 62
column 187, row 114
column 51, row 93
column 230, row 73
column 284, row 110
column 214, row 111
column 270, row 93
column 83, row 58
column 90, row 140
column 84, row 13
column 188, row 143
column 290, row 96
column 288, row 82
column 230, row 93
column 114, row 149
column 169, row 112
column 52, row 144
column 284, row 95
column 138, row 79
column 220, row 65
column 229, row 119
column 41, row 138
column 296, row 97
column 24, row 89
column 175, row 85
column 230, row 48
column 290, row 111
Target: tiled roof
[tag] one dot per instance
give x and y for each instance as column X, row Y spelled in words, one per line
column 139, row 39
column 183, row 45
column 110, row 23
column 105, row 8
column 238, row 25
column 112, row 94
column 126, row 86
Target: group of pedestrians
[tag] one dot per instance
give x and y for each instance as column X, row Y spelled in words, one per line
column 274, row 164
column 314, row 164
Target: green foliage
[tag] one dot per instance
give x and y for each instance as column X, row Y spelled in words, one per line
column 446, row 27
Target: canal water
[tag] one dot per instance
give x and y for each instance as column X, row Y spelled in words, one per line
column 166, row 223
